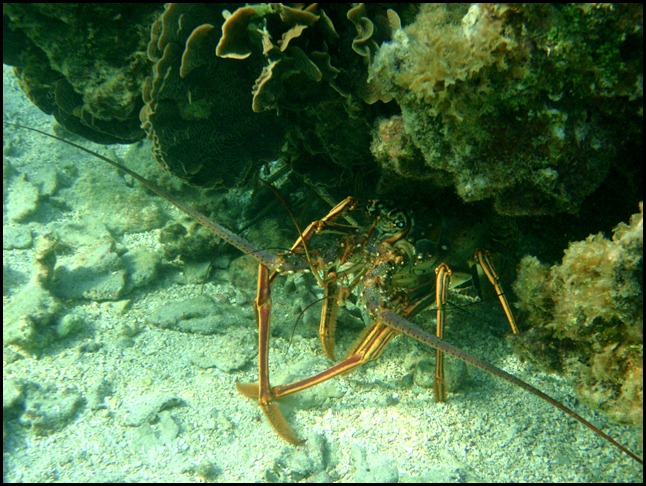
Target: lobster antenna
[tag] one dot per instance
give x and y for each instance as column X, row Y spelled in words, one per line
column 293, row 218
column 262, row 256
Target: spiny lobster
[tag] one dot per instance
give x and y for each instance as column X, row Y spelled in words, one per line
column 372, row 260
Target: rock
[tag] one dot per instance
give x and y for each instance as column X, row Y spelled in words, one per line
column 94, row 273
column 27, row 318
column 234, row 353
column 198, row 315
column 69, row 324
column 142, row 266
column 47, row 408
column 139, row 409
column 16, row 237
column 22, row 199
column 168, row 428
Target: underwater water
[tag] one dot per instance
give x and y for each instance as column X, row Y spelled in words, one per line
column 122, row 365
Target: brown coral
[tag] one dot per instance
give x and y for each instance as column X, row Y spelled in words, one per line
column 234, row 43
column 214, row 119
column 315, row 74
column 394, row 150
column 85, row 64
column 198, row 107
column 515, row 102
column 246, row 30
column 588, row 314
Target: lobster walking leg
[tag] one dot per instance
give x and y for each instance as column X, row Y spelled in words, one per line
column 442, row 282
column 262, row 391
column 327, row 327
column 482, row 257
column 370, row 346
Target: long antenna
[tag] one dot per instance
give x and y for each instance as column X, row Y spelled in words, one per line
column 261, row 256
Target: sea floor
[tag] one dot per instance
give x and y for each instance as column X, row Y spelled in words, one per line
column 120, row 364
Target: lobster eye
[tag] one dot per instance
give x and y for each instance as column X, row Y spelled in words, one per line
column 401, row 220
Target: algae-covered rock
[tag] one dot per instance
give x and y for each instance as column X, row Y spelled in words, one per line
column 22, row 200
column 96, row 272
column 530, row 106
column 198, row 315
column 142, row 266
column 28, row 318
column 586, row 318
column 48, row 408
column 234, row 353
column 17, row 237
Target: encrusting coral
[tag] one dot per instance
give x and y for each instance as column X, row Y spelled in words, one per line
column 82, row 63
column 512, row 102
column 586, row 318
column 532, row 107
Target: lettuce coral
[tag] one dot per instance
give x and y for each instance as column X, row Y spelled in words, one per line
column 522, row 104
column 587, row 318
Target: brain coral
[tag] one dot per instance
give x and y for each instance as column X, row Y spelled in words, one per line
column 586, row 318
column 528, row 105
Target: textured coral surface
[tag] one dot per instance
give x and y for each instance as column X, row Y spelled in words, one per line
column 527, row 105
column 531, row 108
column 83, row 63
column 586, row 318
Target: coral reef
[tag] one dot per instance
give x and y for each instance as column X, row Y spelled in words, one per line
column 198, row 107
column 397, row 153
column 315, row 74
column 84, row 64
column 123, row 394
column 586, row 318
column 527, row 105
column 219, row 93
